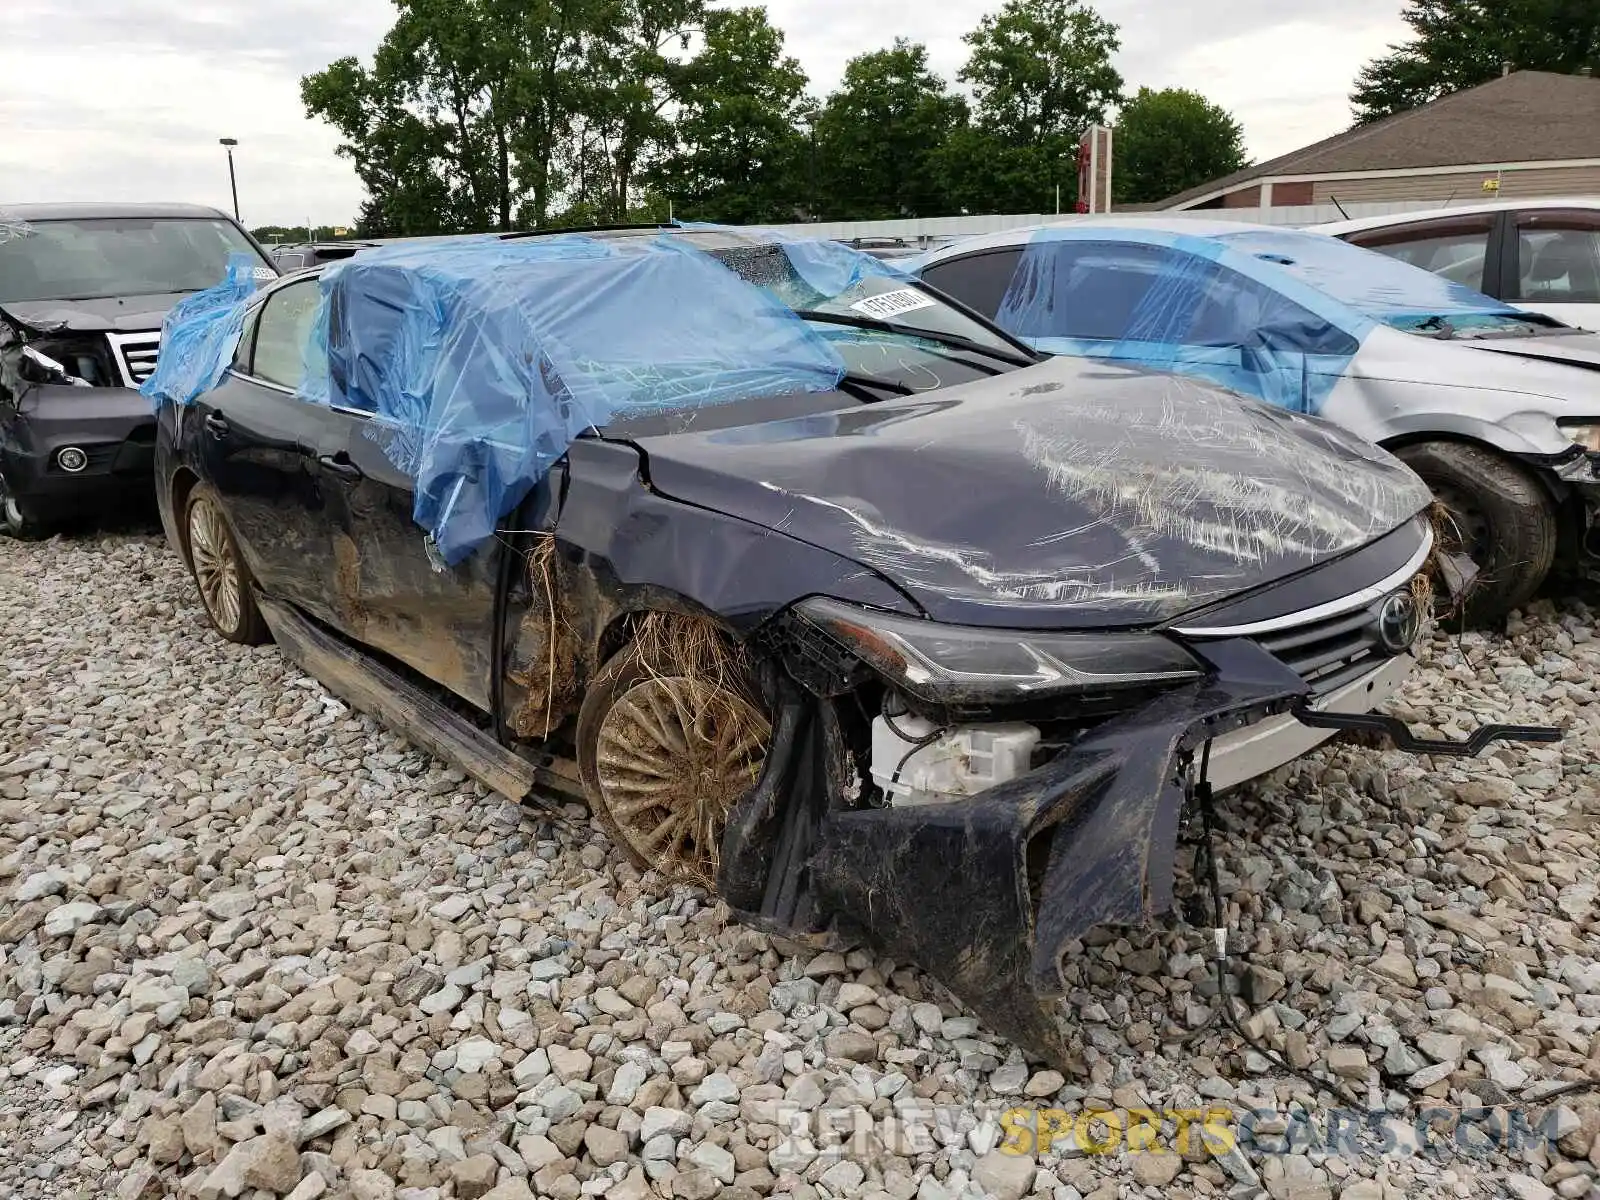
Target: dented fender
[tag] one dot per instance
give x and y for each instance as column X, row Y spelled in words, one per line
column 988, row 894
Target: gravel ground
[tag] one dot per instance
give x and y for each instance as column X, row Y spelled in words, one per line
column 251, row 944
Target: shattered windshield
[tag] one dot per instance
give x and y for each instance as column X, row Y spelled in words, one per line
column 821, row 280
column 120, row 256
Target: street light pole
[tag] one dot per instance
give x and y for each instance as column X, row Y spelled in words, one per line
column 233, row 180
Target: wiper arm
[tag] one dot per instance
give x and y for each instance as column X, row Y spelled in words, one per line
column 861, row 380
column 1015, row 357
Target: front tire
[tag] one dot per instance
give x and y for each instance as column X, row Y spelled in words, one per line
column 665, row 753
column 1499, row 516
column 219, row 571
column 18, row 519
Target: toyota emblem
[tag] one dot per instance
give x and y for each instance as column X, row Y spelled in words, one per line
column 1399, row 622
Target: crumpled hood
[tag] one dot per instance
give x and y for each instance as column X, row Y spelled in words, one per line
column 1067, row 494
column 116, row 314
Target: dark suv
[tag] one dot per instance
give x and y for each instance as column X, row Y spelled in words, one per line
column 83, row 290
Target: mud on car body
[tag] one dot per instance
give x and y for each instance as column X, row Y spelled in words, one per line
column 881, row 625
column 83, row 290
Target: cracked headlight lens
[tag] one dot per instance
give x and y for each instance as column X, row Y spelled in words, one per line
column 952, row 663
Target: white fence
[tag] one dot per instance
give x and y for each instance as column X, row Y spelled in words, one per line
column 941, row 228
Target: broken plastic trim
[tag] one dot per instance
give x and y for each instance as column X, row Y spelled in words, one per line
column 1403, row 739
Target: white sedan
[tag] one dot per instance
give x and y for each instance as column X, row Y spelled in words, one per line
column 1542, row 255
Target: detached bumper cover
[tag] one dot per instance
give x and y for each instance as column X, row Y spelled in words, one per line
column 987, row 895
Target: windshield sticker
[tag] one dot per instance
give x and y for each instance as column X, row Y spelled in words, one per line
column 891, row 304
column 264, row 273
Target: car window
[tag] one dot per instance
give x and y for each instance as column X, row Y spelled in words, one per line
column 101, row 258
column 282, row 330
column 1456, row 249
column 1107, row 291
column 1558, row 258
column 977, row 280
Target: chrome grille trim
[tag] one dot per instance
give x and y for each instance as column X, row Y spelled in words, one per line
column 1321, row 612
column 135, row 354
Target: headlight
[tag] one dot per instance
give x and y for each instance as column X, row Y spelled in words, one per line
column 1585, row 431
column 952, row 663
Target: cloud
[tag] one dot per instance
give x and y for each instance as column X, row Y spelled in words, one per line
column 125, row 99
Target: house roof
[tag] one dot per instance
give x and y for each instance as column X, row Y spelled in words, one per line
column 1526, row 116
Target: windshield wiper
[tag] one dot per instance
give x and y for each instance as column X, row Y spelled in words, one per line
column 1015, row 357
column 1437, row 327
column 861, row 380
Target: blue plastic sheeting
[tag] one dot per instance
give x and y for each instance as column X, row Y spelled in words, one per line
column 828, row 268
column 1180, row 303
column 1375, row 285
column 1275, row 314
column 483, row 359
column 199, row 336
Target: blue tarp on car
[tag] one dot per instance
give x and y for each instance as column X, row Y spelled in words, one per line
column 481, row 359
column 1275, row 314
column 199, row 336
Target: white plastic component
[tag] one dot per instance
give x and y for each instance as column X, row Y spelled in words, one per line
column 959, row 763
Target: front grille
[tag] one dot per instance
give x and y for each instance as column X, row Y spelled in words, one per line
column 136, row 355
column 1330, row 653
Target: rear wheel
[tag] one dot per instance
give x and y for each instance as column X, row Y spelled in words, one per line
column 665, row 755
column 219, row 572
column 1498, row 516
column 17, row 518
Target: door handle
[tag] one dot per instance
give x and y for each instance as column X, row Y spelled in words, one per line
column 339, row 464
column 216, row 426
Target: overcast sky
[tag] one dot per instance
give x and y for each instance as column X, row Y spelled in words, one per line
column 125, row 99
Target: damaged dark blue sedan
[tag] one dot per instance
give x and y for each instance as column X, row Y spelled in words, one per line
column 819, row 589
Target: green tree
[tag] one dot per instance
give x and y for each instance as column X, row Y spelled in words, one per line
column 1462, row 43
column 879, row 135
column 740, row 156
column 1170, row 140
column 459, row 122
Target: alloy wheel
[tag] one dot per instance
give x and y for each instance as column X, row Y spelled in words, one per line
column 215, row 568
column 10, row 510
column 674, row 755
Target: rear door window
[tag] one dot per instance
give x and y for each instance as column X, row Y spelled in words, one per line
column 1558, row 257
column 1456, row 248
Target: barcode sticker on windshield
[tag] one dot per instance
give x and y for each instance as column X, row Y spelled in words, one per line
column 892, row 304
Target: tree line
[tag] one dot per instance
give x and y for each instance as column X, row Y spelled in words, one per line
column 501, row 114
column 495, row 114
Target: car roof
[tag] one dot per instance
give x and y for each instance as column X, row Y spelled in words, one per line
column 1157, row 222
column 101, row 212
column 1356, row 224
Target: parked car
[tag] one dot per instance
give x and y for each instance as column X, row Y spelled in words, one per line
column 1542, row 255
column 818, row 589
column 1498, row 409
column 298, row 256
column 83, row 290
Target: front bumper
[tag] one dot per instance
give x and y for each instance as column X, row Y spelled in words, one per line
column 114, row 427
column 988, row 895
column 1261, row 748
